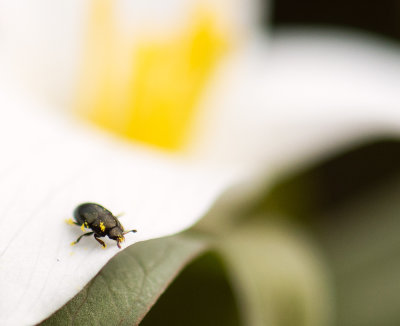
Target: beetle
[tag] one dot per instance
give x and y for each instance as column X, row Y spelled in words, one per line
column 101, row 221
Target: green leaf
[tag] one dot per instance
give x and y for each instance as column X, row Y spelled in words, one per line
column 272, row 272
column 351, row 203
column 362, row 243
column 128, row 286
column 279, row 276
column 200, row 295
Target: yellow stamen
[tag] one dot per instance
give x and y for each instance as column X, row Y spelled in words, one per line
column 83, row 227
column 149, row 90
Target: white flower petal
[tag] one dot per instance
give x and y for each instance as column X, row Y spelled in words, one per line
column 301, row 94
column 48, row 167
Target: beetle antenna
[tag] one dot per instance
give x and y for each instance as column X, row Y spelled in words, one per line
column 133, row 231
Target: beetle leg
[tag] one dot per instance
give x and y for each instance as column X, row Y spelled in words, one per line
column 79, row 239
column 99, row 241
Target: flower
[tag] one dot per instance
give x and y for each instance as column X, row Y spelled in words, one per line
column 275, row 104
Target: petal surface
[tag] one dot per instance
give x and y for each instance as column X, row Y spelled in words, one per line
column 48, row 167
column 301, row 94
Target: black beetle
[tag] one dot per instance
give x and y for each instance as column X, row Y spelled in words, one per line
column 101, row 221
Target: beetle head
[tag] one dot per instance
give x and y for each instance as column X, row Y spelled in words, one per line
column 117, row 234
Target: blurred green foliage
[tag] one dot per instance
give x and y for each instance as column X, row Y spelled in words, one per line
column 201, row 295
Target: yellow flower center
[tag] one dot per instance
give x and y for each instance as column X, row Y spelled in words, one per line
column 148, row 89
